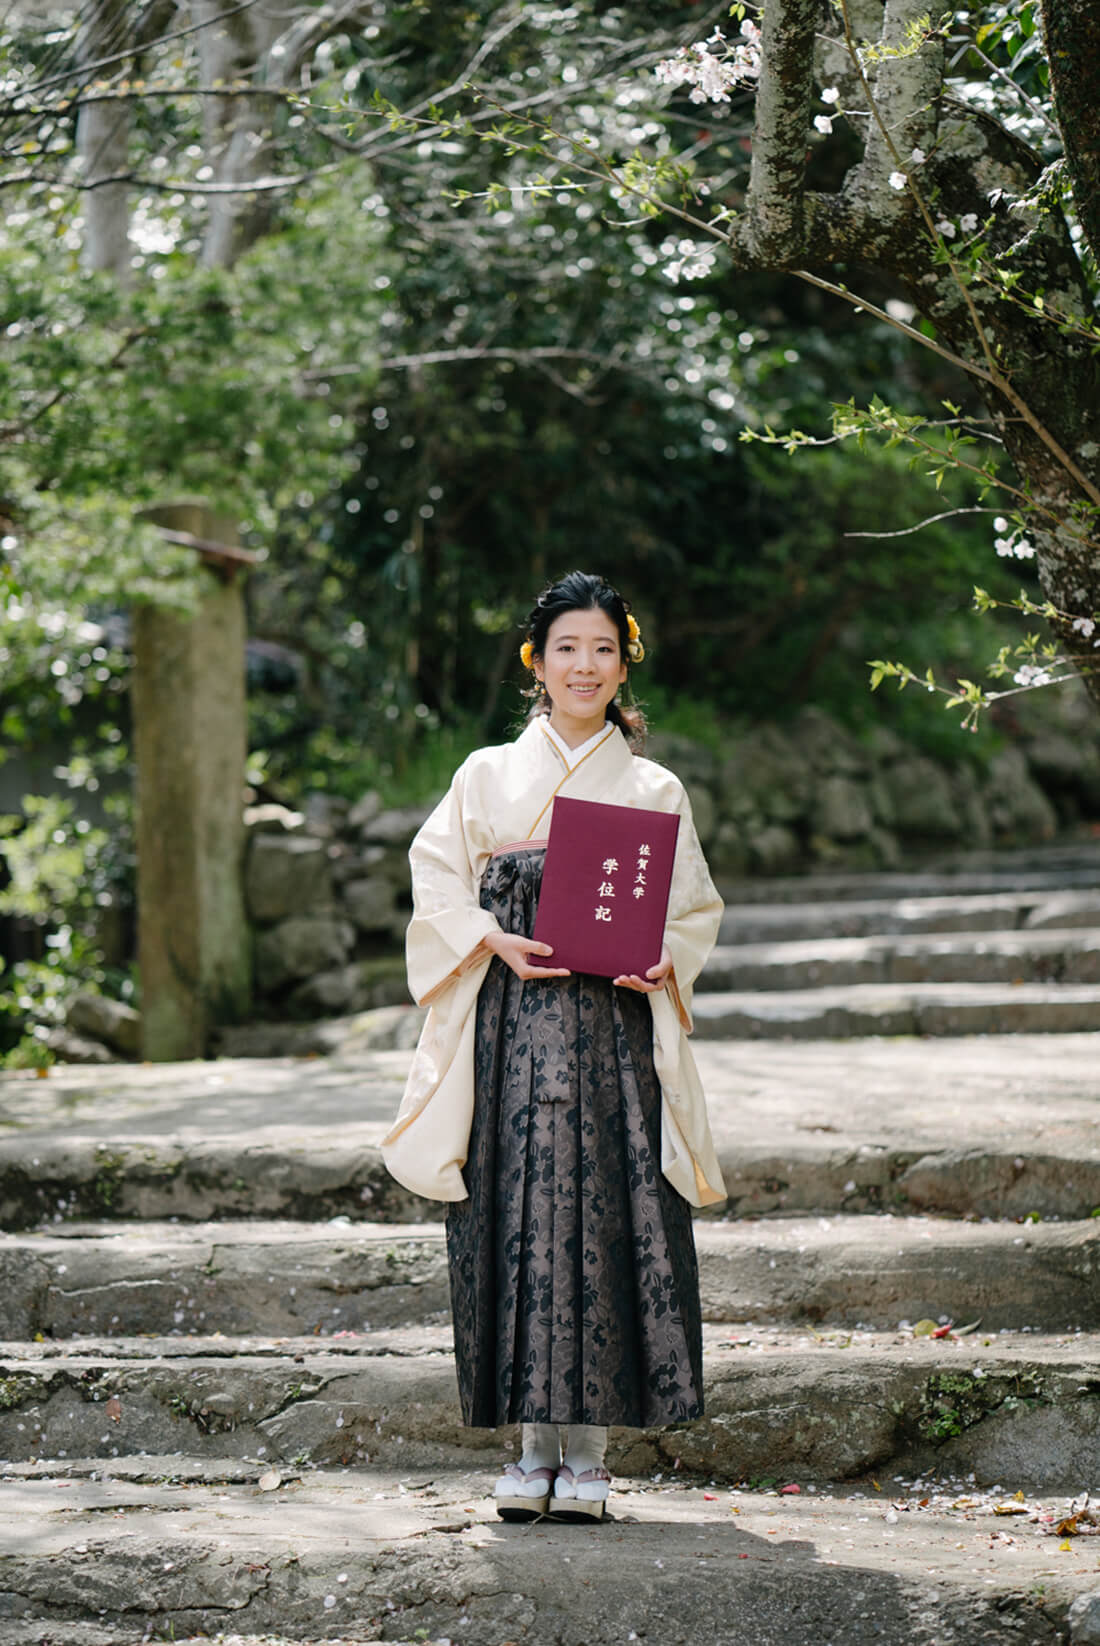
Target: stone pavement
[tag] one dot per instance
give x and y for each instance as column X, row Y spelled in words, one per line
column 227, row 1398
column 371, row 1554
column 998, row 1126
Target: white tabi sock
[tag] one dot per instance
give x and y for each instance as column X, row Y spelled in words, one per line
column 541, row 1446
column 585, row 1446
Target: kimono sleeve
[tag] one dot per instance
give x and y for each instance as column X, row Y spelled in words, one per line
column 448, row 924
column 694, row 913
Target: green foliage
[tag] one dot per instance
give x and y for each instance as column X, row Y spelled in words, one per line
column 50, row 858
column 61, row 875
column 418, row 414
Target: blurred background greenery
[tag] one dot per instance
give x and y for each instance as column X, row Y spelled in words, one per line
column 418, row 413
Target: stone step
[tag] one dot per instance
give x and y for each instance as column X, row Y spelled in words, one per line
column 840, row 962
column 1046, row 869
column 816, row 1406
column 975, row 1126
column 121, row 1280
column 157, row 1550
column 793, row 920
column 928, row 1009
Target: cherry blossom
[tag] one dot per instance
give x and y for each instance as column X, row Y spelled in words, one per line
column 712, row 75
column 691, row 259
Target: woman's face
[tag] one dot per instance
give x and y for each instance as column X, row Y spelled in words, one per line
column 581, row 669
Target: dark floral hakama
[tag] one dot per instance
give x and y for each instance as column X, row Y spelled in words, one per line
column 574, row 1284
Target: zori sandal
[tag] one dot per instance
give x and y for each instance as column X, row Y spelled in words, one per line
column 523, row 1494
column 580, row 1496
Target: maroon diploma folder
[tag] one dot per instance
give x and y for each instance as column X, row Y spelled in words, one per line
column 605, row 886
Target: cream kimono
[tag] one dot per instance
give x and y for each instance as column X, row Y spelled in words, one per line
column 500, row 796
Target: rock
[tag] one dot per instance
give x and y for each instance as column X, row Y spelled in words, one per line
column 361, row 986
column 828, row 747
column 349, row 864
column 842, row 809
column 692, row 762
column 1018, row 808
column 326, row 814
column 272, row 819
column 395, row 867
column 365, row 810
column 922, row 799
column 1055, row 757
column 886, row 849
column 382, row 982
column 1084, row 1620
column 372, row 904
column 389, row 1028
column 704, row 812
column 1067, row 764
column 74, row 1048
column 881, row 801
column 971, row 808
column 280, row 1039
column 112, row 1021
column 325, row 993
column 397, row 827
column 285, row 874
column 884, row 745
column 300, row 946
column 775, row 849
column 729, row 853
column 850, row 856
column 766, row 774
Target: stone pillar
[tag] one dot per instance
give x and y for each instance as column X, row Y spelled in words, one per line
column 190, row 742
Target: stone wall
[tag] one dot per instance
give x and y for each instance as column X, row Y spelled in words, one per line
column 327, row 891
column 327, row 888
column 785, row 800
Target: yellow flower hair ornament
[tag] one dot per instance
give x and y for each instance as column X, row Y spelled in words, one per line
column 527, row 654
column 634, row 650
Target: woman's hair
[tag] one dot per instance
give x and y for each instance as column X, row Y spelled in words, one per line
column 582, row 592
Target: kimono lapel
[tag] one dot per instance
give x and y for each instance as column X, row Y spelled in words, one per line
column 599, row 770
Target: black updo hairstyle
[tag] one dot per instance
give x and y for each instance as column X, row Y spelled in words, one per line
column 583, row 592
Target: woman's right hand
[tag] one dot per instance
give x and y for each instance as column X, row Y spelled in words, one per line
column 516, row 951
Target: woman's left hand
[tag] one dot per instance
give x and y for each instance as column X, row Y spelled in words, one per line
column 656, row 977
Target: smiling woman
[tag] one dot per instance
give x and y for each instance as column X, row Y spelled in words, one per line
column 580, row 670
column 559, row 1114
column 581, row 634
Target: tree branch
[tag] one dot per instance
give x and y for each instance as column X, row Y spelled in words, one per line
column 101, row 63
column 458, row 356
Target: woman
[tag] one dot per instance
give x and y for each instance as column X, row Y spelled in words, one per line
column 559, row 1115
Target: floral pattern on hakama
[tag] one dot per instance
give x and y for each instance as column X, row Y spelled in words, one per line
column 574, row 1283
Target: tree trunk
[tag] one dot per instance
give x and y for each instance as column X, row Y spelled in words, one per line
column 102, row 139
column 961, row 175
column 236, row 45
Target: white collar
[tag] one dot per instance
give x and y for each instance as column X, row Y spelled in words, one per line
column 572, row 755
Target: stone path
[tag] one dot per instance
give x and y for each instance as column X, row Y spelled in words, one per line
column 227, row 1402
column 956, row 954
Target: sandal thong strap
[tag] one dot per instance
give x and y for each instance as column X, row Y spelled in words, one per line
column 585, row 1476
column 516, row 1473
